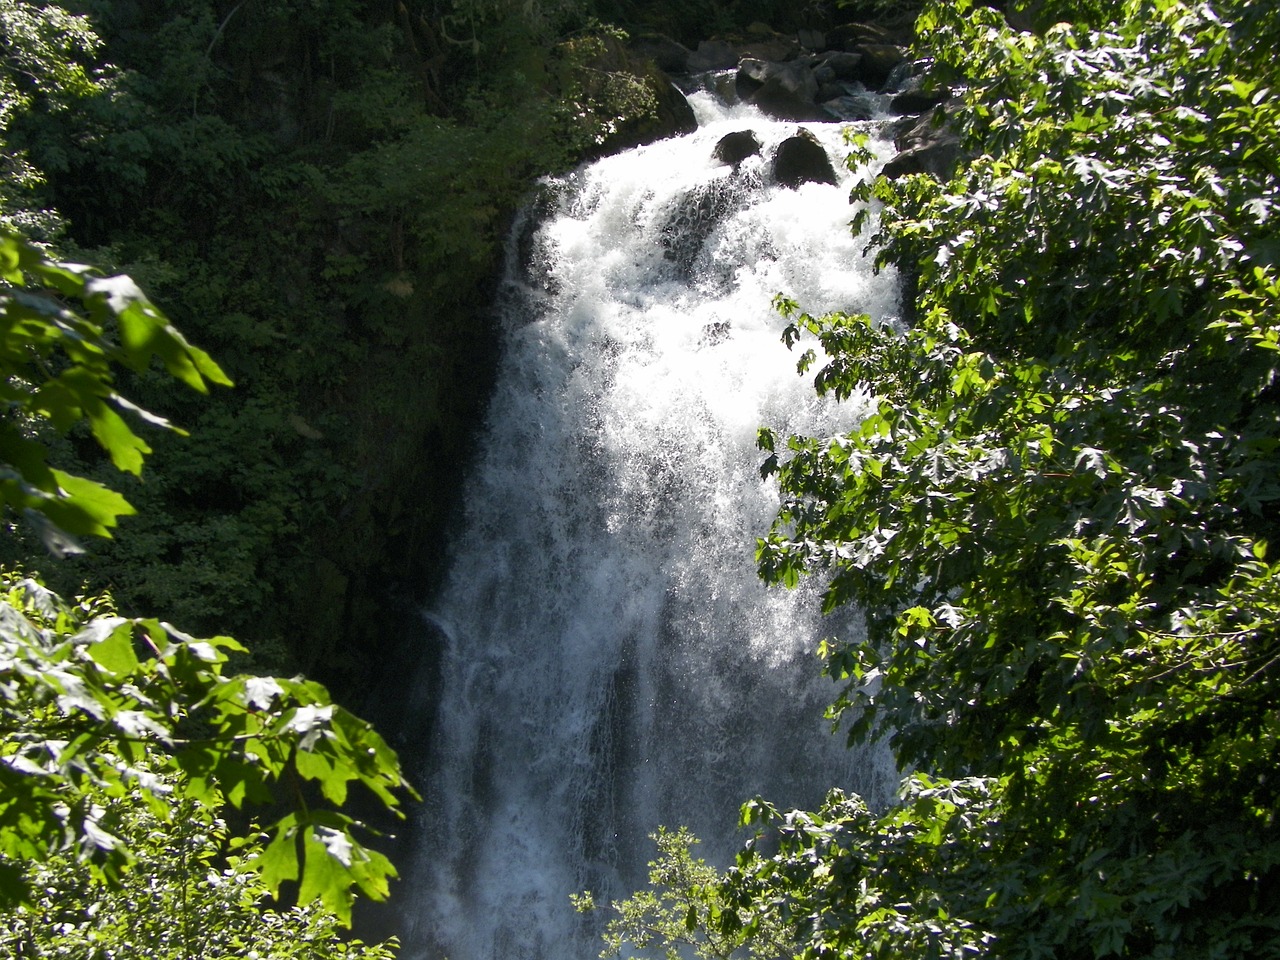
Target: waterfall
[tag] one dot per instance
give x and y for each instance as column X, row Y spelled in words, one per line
column 611, row 662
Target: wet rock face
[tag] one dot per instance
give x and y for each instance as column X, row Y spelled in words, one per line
column 691, row 223
column 877, row 63
column 802, row 159
column 855, row 106
column 534, row 252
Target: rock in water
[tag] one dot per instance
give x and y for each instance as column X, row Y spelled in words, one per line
column 735, row 147
column 802, row 159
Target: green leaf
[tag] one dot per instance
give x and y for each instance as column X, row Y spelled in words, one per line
column 111, row 645
column 279, row 861
column 126, row 449
column 145, row 333
column 86, row 506
column 326, row 872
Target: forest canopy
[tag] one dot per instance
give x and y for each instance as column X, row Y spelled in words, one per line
column 1060, row 521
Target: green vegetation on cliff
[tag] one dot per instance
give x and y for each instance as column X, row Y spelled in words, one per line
column 1060, row 522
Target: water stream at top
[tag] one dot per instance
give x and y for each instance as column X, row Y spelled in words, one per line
column 611, row 661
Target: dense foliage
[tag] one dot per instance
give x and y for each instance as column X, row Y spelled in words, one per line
column 100, row 713
column 681, row 914
column 58, row 366
column 1060, row 521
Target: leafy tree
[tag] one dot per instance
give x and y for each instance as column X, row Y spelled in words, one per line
column 47, row 67
column 682, row 912
column 192, row 893
column 1057, row 518
column 98, row 710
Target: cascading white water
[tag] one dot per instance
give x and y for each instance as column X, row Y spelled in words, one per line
column 612, row 662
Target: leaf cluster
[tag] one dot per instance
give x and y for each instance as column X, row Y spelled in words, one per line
column 63, row 333
column 684, row 912
column 98, row 711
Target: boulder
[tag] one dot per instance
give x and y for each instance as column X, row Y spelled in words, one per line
column 764, row 43
column 918, row 101
column 778, row 100
column 735, row 147
column 784, row 91
column 671, row 114
column 937, row 159
column 777, row 48
column 878, row 63
column 812, row 39
column 723, row 86
column 802, row 159
column 925, row 145
column 674, row 116
column 912, row 132
column 830, row 91
column 712, row 55
column 670, row 55
column 752, row 74
column 903, row 78
column 851, row 107
column 843, row 66
column 849, row 36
